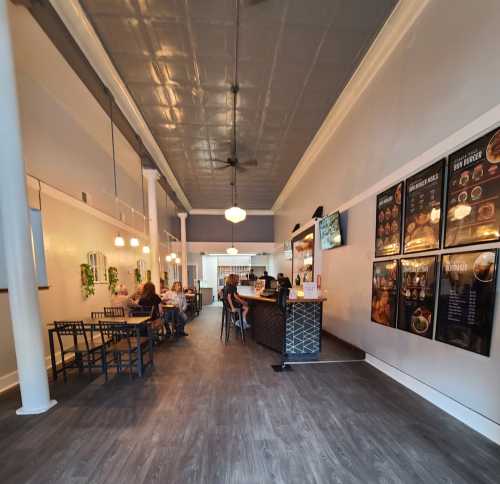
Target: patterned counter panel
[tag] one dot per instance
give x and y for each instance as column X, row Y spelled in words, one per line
column 303, row 331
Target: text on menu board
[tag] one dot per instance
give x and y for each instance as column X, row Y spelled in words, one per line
column 423, row 183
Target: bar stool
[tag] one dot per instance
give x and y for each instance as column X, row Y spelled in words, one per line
column 230, row 317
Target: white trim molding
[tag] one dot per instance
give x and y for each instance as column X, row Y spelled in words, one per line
column 469, row 417
column 220, row 211
column 76, row 21
column 397, row 25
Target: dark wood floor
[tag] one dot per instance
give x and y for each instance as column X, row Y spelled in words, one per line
column 215, row 414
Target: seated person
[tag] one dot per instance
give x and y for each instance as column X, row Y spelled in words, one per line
column 267, row 278
column 149, row 299
column 177, row 298
column 120, row 298
column 233, row 300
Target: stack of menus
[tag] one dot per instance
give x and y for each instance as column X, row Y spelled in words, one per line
column 385, row 292
column 417, row 295
column 473, row 214
column 389, row 217
column 467, row 300
column 424, row 192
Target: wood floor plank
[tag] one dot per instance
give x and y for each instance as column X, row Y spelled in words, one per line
column 211, row 413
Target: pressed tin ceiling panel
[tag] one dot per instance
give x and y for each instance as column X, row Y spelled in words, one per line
column 177, row 60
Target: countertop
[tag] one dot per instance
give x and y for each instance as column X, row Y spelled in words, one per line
column 248, row 292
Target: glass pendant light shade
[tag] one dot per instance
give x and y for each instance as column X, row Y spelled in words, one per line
column 119, row 241
column 168, row 258
column 134, row 242
column 173, row 255
column 232, row 250
column 235, row 214
column 145, row 249
column 177, row 260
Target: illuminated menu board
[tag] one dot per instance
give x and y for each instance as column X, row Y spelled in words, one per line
column 473, row 213
column 389, row 217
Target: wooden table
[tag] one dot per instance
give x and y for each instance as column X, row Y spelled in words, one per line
column 139, row 322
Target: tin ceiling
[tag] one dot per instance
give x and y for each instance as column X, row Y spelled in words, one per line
column 177, row 59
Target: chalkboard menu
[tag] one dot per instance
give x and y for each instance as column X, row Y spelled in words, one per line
column 424, row 192
column 417, row 295
column 467, row 300
column 389, row 218
column 473, row 214
column 385, row 292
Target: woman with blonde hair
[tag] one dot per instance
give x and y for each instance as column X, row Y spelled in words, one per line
column 176, row 297
column 230, row 294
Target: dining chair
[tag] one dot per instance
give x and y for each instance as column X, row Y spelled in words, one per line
column 114, row 312
column 85, row 351
column 97, row 314
column 125, row 347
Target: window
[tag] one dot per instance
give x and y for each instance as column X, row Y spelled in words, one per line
column 98, row 264
column 141, row 267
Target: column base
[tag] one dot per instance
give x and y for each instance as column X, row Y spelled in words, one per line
column 36, row 411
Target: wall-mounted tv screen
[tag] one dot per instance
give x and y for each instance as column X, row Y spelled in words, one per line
column 330, row 231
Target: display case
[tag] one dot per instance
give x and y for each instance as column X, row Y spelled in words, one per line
column 306, row 255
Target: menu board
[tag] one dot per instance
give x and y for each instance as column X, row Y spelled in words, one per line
column 385, row 292
column 424, row 192
column 467, row 300
column 389, row 217
column 330, row 231
column 417, row 295
column 473, row 214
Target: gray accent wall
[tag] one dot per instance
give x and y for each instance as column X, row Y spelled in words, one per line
column 215, row 228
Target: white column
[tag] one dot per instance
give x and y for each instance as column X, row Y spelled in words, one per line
column 16, row 233
column 183, row 217
column 154, row 241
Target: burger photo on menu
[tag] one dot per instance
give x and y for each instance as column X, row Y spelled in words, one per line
column 467, row 300
column 417, row 290
column 473, row 214
column 388, row 224
column 384, row 292
column 424, row 192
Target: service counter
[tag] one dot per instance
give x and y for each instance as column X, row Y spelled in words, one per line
column 294, row 330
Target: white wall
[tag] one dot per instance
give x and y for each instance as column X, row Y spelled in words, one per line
column 442, row 76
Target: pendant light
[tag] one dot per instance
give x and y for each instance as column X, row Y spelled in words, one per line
column 119, row 241
column 168, row 258
column 232, row 250
column 134, row 242
column 145, row 249
column 235, row 214
column 177, row 260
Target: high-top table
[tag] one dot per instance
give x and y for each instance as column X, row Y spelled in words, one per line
column 293, row 330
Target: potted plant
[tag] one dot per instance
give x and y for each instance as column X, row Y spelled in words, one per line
column 87, row 279
column 112, row 279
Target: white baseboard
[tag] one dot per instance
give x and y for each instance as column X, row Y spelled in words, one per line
column 469, row 417
column 10, row 380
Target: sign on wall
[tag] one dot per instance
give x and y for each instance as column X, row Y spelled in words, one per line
column 389, row 218
column 467, row 300
column 417, row 295
column 473, row 210
column 385, row 292
column 424, row 192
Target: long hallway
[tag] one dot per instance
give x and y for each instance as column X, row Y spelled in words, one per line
column 210, row 413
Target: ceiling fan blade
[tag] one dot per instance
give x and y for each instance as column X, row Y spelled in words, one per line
column 241, row 169
column 220, row 161
column 249, row 163
column 222, row 167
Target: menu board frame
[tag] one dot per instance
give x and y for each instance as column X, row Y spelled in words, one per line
column 323, row 221
column 393, row 323
column 481, row 143
column 490, row 307
column 437, row 166
column 430, row 332
column 389, row 192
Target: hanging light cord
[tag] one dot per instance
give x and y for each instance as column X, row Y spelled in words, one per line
column 113, row 141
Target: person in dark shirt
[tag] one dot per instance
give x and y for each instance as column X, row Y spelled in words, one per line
column 267, row 278
column 149, row 299
column 252, row 276
column 233, row 300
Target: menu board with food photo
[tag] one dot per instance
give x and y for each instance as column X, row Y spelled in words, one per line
column 389, row 217
column 473, row 214
column 424, row 193
column 467, row 300
column 385, row 292
column 417, row 291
